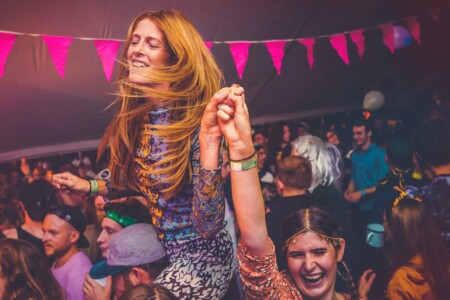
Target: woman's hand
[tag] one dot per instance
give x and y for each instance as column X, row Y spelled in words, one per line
column 67, row 182
column 365, row 284
column 209, row 128
column 234, row 122
column 210, row 136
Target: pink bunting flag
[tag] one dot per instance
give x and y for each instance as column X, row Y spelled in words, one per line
column 6, row 42
column 309, row 44
column 209, row 45
column 107, row 50
column 239, row 51
column 357, row 37
column 436, row 13
column 276, row 50
column 339, row 43
column 414, row 28
column 58, row 46
column 388, row 35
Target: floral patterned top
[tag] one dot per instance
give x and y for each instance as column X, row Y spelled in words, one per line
column 198, row 210
column 262, row 279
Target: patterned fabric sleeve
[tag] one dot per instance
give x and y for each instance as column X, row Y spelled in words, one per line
column 208, row 203
column 261, row 278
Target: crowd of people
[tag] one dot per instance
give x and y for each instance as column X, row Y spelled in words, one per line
column 194, row 203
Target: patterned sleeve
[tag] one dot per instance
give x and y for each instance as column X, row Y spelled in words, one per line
column 261, row 278
column 208, row 203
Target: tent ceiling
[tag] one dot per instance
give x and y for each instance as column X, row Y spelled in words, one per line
column 44, row 114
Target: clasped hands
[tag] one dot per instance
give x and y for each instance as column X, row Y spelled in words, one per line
column 227, row 115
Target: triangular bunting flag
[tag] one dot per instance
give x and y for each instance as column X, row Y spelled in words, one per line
column 309, row 44
column 339, row 43
column 276, row 50
column 357, row 37
column 209, row 45
column 58, row 47
column 239, row 51
column 6, row 42
column 388, row 35
column 414, row 28
column 436, row 13
column 107, row 50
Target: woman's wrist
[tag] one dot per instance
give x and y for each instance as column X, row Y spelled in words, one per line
column 241, row 151
column 209, row 140
column 86, row 187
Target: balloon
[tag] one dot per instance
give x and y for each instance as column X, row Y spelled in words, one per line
column 373, row 100
column 402, row 37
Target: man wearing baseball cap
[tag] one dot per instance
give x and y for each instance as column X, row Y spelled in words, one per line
column 135, row 256
column 63, row 236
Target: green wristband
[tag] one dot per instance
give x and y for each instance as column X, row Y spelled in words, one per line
column 242, row 166
column 363, row 192
column 94, row 187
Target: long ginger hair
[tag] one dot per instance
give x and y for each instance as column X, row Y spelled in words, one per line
column 193, row 76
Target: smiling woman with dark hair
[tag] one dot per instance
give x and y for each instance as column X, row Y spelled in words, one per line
column 312, row 239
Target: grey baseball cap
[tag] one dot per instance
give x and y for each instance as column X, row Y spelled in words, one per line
column 134, row 245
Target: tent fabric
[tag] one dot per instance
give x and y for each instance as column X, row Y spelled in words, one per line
column 42, row 113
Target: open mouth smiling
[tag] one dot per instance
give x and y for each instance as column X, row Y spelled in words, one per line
column 313, row 279
column 139, row 64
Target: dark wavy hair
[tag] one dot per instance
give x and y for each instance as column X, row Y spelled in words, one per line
column 27, row 273
column 413, row 232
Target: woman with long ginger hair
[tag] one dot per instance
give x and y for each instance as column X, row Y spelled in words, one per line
column 24, row 273
column 167, row 78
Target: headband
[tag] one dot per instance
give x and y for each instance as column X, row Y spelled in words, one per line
column 124, row 221
column 403, row 195
column 293, row 239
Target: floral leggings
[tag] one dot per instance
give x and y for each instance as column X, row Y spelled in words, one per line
column 200, row 268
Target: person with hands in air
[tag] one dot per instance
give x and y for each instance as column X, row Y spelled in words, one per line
column 159, row 142
column 312, row 239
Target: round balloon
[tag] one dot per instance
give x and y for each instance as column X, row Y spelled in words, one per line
column 402, row 37
column 373, row 100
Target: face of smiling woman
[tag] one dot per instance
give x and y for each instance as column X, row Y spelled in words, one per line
column 312, row 263
column 146, row 50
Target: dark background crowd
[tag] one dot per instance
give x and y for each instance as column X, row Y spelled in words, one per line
column 412, row 143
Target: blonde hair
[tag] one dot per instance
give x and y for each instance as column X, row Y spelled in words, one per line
column 324, row 165
column 194, row 77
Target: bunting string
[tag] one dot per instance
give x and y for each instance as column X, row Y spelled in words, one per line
column 107, row 49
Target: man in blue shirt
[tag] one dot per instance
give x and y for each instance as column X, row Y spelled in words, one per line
column 368, row 169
